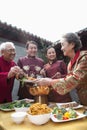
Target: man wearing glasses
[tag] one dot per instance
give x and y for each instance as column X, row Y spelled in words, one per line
column 8, row 71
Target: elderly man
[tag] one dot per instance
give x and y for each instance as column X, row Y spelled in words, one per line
column 8, row 70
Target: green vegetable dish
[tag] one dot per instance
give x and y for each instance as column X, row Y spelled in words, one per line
column 10, row 106
column 22, row 103
column 7, row 106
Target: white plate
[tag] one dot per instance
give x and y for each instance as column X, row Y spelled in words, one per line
column 69, row 104
column 28, row 100
column 7, row 106
column 11, row 109
column 6, row 109
column 80, row 115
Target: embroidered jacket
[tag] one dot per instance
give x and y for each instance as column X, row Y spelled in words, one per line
column 32, row 67
column 76, row 78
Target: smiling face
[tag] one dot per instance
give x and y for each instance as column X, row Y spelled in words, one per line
column 32, row 50
column 51, row 54
column 67, row 48
column 9, row 52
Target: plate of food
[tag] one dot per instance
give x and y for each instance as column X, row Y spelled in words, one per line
column 27, row 81
column 7, row 106
column 64, row 115
column 73, row 105
column 17, row 103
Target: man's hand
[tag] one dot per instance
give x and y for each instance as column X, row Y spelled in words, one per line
column 14, row 71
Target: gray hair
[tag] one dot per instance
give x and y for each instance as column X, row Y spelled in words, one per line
column 75, row 39
column 4, row 44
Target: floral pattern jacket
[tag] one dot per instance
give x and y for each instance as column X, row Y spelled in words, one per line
column 76, row 78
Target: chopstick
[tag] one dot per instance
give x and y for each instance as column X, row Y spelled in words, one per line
column 54, row 76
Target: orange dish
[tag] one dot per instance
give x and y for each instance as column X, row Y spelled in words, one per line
column 39, row 90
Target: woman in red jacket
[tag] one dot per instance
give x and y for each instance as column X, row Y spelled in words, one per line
column 55, row 69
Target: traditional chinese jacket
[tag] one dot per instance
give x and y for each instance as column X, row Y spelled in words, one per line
column 51, row 70
column 6, row 86
column 76, row 78
column 32, row 67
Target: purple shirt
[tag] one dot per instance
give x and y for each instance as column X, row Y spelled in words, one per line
column 32, row 67
column 57, row 66
column 51, row 70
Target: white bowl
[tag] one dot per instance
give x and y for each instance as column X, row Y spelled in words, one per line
column 18, row 117
column 21, row 109
column 39, row 119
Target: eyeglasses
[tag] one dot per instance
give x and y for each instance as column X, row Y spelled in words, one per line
column 10, row 50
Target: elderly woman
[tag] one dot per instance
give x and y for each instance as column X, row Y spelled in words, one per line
column 77, row 69
column 8, row 71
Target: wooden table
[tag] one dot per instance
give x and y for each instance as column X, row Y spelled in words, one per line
column 8, row 124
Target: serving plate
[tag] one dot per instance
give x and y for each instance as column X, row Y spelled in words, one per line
column 54, row 119
column 10, row 106
column 7, row 106
column 73, row 105
column 28, row 81
column 6, row 109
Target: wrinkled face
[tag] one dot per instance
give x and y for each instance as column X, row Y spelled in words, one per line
column 32, row 50
column 51, row 54
column 66, row 47
column 9, row 53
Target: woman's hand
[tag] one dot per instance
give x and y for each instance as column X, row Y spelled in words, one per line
column 43, row 81
column 43, row 73
column 57, row 76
